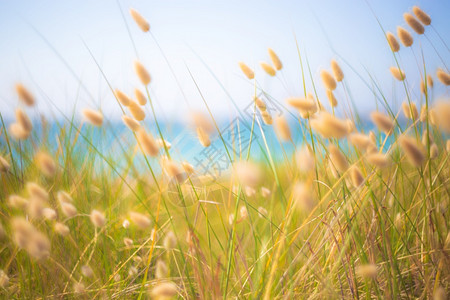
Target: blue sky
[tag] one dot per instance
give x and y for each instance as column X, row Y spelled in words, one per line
column 220, row 32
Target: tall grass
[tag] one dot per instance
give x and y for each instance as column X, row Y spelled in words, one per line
column 348, row 213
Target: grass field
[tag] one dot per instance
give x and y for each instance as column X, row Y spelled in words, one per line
column 349, row 213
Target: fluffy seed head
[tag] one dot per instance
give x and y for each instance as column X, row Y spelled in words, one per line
column 275, row 59
column 303, row 197
column 337, row 71
column 305, row 160
column 440, row 115
column 68, row 209
column 410, row 111
column 147, row 142
column 18, row 132
column 170, row 241
column 29, row 238
column 164, row 290
column 161, row 269
column 140, row 20
column 140, row 97
column 434, row 151
column 260, row 104
column 4, row 279
column 17, row 202
column 282, row 128
column 379, row 160
column 393, row 43
column 329, row 126
column 359, row 140
column 397, row 73
column 36, row 191
column 267, row 68
column 304, row 105
column 128, row 242
column 142, row 73
column 61, row 229
column 337, row 158
column 413, row 150
column 203, row 137
column 87, row 271
column 136, row 111
column 267, row 118
column 413, row 23
column 248, row 173
column 35, row 208
column 188, row 168
column 49, row 213
column 97, row 218
column 262, row 212
column 368, row 271
column 443, row 76
column 79, row 288
column 131, row 123
column 404, row 36
column 63, row 196
column 46, row 164
column 243, row 212
column 356, row 176
column 140, row 220
column 248, row 72
column 122, row 97
column 383, row 122
column 93, row 116
column 126, row 224
column 447, row 145
column 24, row 95
column 331, row 98
column 4, row 164
column 23, row 119
column 328, row 80
column 421, row 15
column 265, row 192
column 430, row 81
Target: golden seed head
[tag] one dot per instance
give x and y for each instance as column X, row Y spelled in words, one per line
column 328, row 80
column 147, row 142
column 24, row 121
column 305, row 160
column 36, row 191
column 164, row 290
column 140, row 20
column 414, row 23
column 136, row 111
column 248, row 173
column 337, row 71
column 246, row 70
column 267, row 68
column 17, row 202
column 359, row 140
column 24, row 95
column 173, row 170
column 356, row 176
column 122, row 97
column 61, row 229
column 331, row 98
column 440, row 115
column 397, row 73
column 413, row 150
column 434, row 151
column 49, row 213
column 260, row 104
column 337, row 158
column 79, row 288
column 383, row 122
column 275, row 59
column 303, row 197
column 421, row 15
column 443, row 76
column 267, row 118
column 161, row 269
column 379, row 160
column 97, row 218
column 63, row 196
column 68, row 209
column 282, row 128
column 140, row 97
column 18, row 132
column 46, row 164
column 306, row 106
column 368, row 271
column 404, row 36
column 93, row 116
column 410, row 111
column 131, row 123
column 170, row 241
column 142, row 73
column 4, row 164
column 203, row 137
column 393, row 43
column 188, row 168
column 329, row 126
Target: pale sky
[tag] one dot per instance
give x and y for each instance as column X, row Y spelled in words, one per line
column 221, row 33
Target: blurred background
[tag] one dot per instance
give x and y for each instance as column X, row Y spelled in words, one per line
column 47, row 44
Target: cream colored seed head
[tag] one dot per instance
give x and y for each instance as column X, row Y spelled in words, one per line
column 434, row 151
column 383, row 122
column 161, row 269
column 170, row 241
column 337, row 158
column 164, row 290
column 275, row 59
column 305, row 160
column 136, row 111
column 282, row 128
column 443, row 76
column 140, row 20
column 23, row 119
column 18, row 132
column 17, row 202
column 97, row 218
column 430, row 81
column 393, row 43
column 61, row 229
column 147, row 142
column 397, row 73
column 4, row 164
column 24, row 95
column 303, row 197
column 329, row 126
column 122, row 97
column 46, row 164
column 36, row 191
column 404, row 36
column 93, row 116
column 414, row 23
column 140, row 97
column 368, row 271
column 421, row 15
column 142, row 73
column 413, row 150
column 328, row 80
column 410, row 111
column 307, row 106
column 248, row 72
column 131, row 123
column 337, row 71
column 140, row 220
column 188, row 168
column 260, row 104
column 356, row 176
column 265, row 192
column 203, row 137
column 68, row 209
column 63, row 196
column 359, row 140
column 267, row 68
column 331, row 98
column 379, row 160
